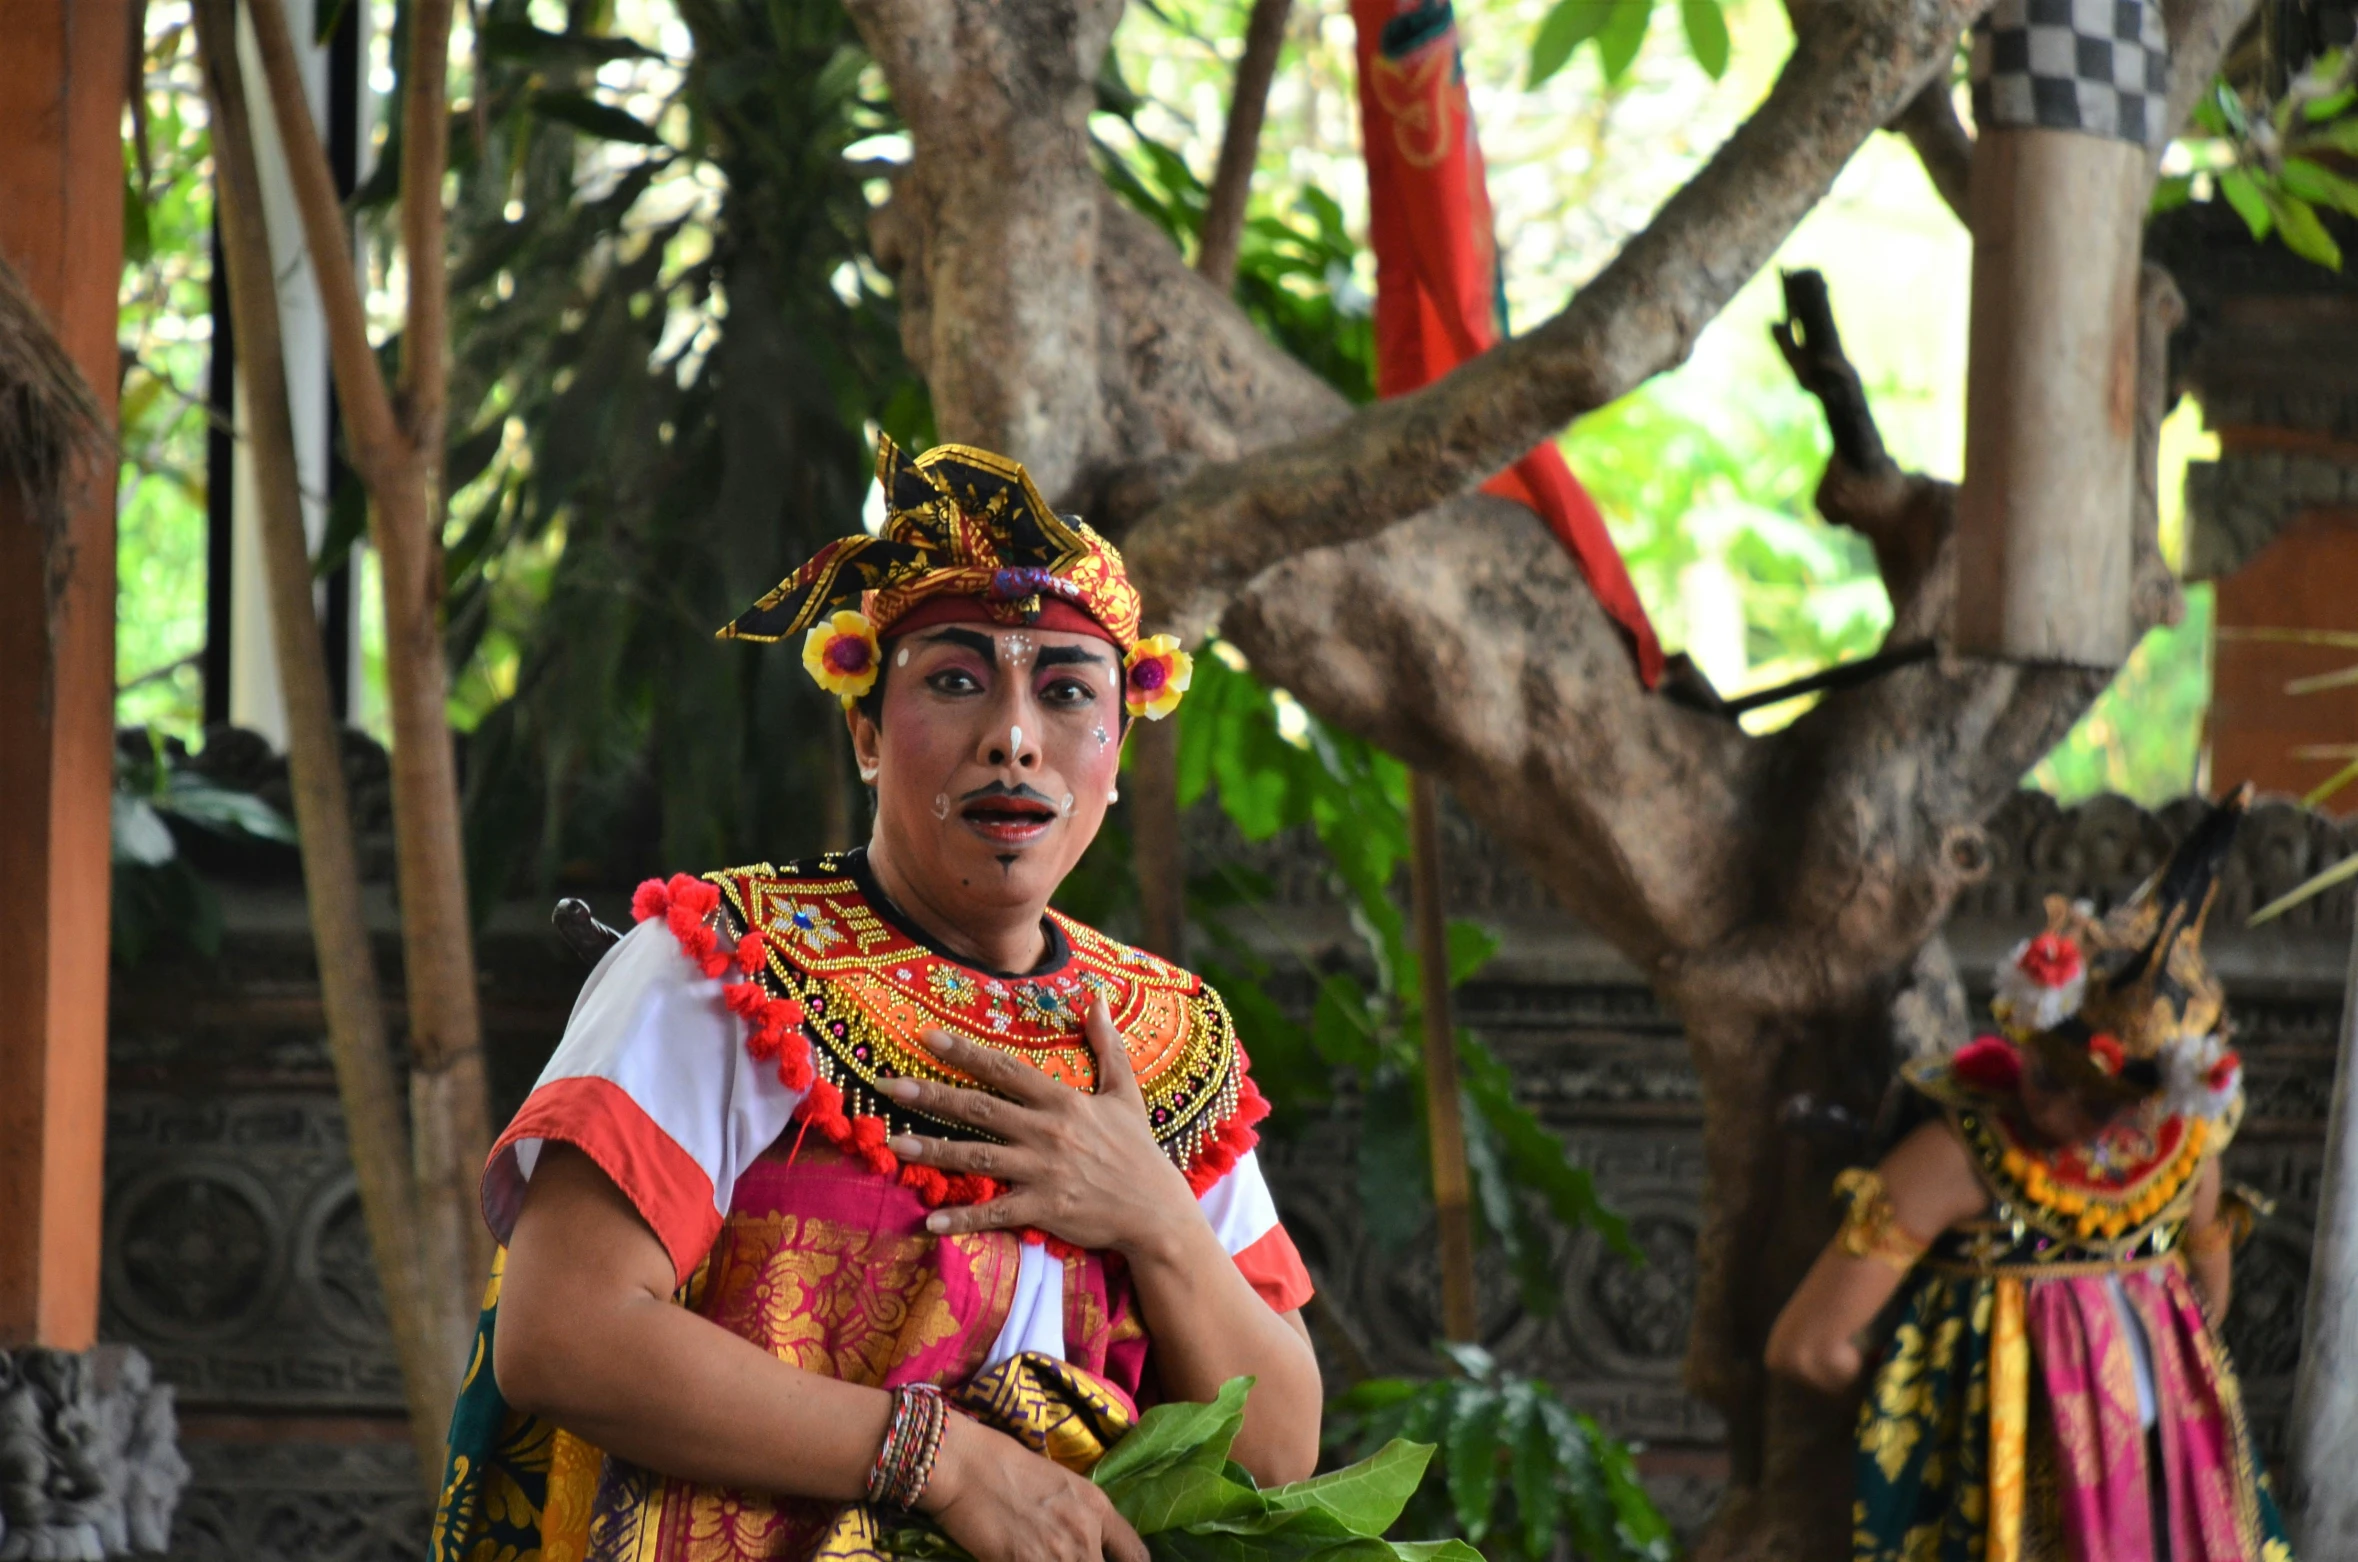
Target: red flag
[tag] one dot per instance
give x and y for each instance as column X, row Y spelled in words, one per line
column 1438, row 301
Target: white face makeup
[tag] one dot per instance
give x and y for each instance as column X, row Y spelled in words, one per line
column 994, row 746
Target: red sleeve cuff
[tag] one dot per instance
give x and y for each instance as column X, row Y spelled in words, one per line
column 1274, row 1268
column 597, row 1117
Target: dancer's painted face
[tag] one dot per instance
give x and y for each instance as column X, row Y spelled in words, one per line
column 990, row 777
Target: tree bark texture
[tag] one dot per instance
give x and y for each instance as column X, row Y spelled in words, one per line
column 1784, row 893
column 396, row 441
column 1240, row 144
column 365, row 1082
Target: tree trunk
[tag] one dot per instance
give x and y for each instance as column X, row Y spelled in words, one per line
column 355, row 1018
column 396, row 443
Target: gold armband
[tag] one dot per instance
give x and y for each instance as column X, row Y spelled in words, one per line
column 1870, row 1227
column 2217, row 1237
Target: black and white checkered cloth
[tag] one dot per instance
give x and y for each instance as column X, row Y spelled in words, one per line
column 2097, row 66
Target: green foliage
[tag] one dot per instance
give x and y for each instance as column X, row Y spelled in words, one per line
column 164, row 328
column 1618, row 28
column 159, row 898
column 1274, row 767
column 1171, row 1477
column 1518, row 1469
column 2284, row 161
column 2142, row 738
column 669, row 344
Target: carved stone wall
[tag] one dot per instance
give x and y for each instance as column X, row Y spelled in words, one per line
column 235, row 1259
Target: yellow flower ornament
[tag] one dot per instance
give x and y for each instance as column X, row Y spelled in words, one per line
column 841, row 655
column 1154, row 675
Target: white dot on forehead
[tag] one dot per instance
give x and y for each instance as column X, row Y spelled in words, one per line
column 1017, row 650
column 902, row 660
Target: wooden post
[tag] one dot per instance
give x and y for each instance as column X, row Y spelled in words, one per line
column 2321, row 1498
column 1453, row 1208
column 61, row 229
column 2057, row 203
column 1156, row 850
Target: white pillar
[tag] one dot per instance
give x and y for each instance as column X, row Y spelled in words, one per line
column 2324, row 1434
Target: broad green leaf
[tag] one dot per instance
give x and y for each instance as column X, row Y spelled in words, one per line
column 592, row 117
column 1181, row 1495
column 1623, row 34
column 1707, row 35
column 1180, row 1432
column 1365, row 1498
column 2340, row 136
column 530, row 45
column 2243, row 193
column 1471, row 947
column 140, row 836
column 1471, row 1450
column 2171, row 192
column 1531, row 1467
column 1571, row 24
column 1477, row 1364
column 1435, row 1551
column 2303, row 233
column 218, row 808
column 1641, row 1523
column 2319, row 186
column 2332, row 106
column 1394, row 1178
column 1537, row 1155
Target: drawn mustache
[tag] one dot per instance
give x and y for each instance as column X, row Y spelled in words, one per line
column 1002, row 789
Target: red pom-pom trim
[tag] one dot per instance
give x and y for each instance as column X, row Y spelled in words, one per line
column 2106, row 1049
column 1228, row 1143
column 2051, row 960
column 2222, row 1073
column 1988, row 1063
column 752, row 949
column 650, row 899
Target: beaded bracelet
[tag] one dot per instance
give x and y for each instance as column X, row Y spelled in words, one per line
column 912, row 1442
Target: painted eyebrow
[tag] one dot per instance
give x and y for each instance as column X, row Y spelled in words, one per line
column 981, row 645
column 1069, row 656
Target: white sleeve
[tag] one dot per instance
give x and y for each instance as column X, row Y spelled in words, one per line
column 654, row 1083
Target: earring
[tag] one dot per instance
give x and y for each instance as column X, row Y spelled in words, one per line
column 869, row 773
column 1114, row 796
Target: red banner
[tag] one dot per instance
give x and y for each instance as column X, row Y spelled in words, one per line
column 1437, row 278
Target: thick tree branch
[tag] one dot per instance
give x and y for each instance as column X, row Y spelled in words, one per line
column 1851, row 69
column 1232, row 177
column 1942, row 142
column 425, row 154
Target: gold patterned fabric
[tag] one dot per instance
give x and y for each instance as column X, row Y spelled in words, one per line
column 869, row 984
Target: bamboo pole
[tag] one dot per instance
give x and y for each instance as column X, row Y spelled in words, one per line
column 1453, row 1210
column 396, row 441
column 357, row 1043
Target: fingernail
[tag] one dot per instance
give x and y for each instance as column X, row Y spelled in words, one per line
column 904, row 1146
column 937, row 1222
column 934, row 1040
column 901, row 1089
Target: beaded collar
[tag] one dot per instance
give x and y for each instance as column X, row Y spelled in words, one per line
column 867, row 982
column 2118, row 1195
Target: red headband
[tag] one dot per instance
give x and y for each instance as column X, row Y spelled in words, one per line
column 1054, row 614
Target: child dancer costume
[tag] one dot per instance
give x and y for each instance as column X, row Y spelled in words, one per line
column 2054, row 1388
column 724, row 1064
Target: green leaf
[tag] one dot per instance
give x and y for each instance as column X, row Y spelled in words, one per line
column 1394, row 1192
column 1571, row 24
column 1179, row 1432
column 138, row 243
column 1536, row 1154
column 2320, row 186
column 1365, row 1498
column 1435, row 1551
column 1623, row 34
column 2303, row 233
column 1531, row 1467
column 1182, row 1496
column 2170, row 192
column 1707, row 35
column 530, row 45
column 1471, row 947
column 2243, row 193
column 140, row 836
column 220, row 809
column 591, row 117
column 2340, row 136
column 1471, row 1450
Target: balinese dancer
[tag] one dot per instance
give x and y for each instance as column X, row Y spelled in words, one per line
column 870, row 1184
column 2055, row 1386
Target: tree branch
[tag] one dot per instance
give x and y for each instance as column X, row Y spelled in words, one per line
column 1942, row 143
column 1232, row 178
column 425, row 154
column 1851, row 69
